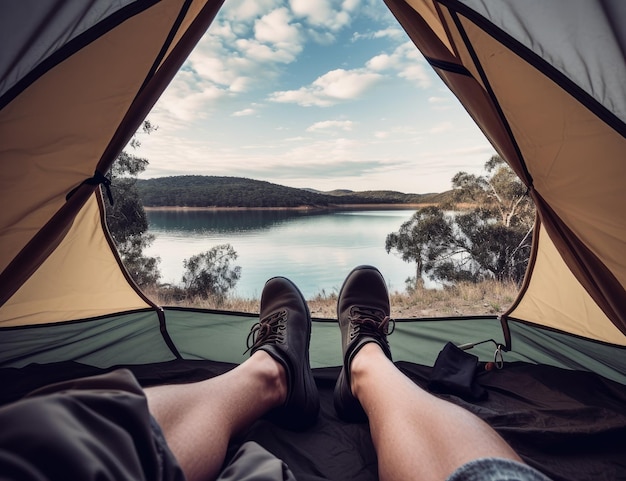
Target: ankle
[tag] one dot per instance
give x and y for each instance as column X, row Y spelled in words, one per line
column 361, row 364
column 273, row 375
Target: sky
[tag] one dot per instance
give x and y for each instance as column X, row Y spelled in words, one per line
column 326, row 95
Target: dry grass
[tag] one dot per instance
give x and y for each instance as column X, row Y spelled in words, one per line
column 489, row 297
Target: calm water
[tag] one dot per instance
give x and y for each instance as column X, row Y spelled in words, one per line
column 316, row 251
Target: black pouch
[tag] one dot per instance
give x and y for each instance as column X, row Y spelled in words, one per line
column 454, row 373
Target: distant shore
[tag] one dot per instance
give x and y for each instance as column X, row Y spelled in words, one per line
column 298, row 208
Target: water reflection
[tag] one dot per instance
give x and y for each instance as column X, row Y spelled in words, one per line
column 315, row 250
column 221, row 220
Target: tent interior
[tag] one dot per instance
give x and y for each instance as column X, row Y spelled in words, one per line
column 543, row 81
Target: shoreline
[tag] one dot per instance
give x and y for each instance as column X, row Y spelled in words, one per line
column 488, row 297
column 303, row 208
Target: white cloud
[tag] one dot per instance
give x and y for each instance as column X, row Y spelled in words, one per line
column 242, row 49
column 340, row 84
column 324, row 13
column 406, row 61
column 381, row 62
column 418, row 74
column 267, row 55
column 220, row 30
column 178, row 106
column 332, row 87
column 304, row 96
column 350, row 5
column 332, row 125
column 390, row 32
column 216, row 65
column 244, row 113
column 276, row 28
column 246, row 41
column 345, row 84
column 241, row 11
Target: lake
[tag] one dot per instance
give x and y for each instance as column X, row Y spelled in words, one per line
column 314, row 250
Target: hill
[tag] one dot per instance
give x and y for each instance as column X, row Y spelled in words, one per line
column 213, row 191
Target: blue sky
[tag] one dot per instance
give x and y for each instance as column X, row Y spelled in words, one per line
column 325, row 95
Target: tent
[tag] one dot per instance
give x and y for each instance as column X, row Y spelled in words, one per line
column 543, row 80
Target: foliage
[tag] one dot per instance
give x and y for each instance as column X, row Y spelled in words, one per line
column 128, row 164
column 214, row 191
column 211, row 273
column 423, row 237
column 143, row 269
column 126, row 218
column 501, row 194
column 490, row 240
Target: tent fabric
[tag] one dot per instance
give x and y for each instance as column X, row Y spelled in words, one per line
column 87, row 91
column 79, row 80
column 553, row 107
column 33, row 33
column 569, row 307
column 195, row 334
column 49, row 296
column 543, row 80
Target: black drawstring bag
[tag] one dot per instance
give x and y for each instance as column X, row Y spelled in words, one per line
column 454, row 373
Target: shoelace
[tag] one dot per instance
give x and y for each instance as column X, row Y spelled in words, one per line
column 270, row 329
column 370, row 322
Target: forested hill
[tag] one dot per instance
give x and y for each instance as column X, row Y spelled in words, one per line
column 211, row 191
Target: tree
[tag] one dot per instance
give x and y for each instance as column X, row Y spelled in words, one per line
column 126, row 217
column 211, row 273
column 423, row 237
column 500, row 194
column 490, row 240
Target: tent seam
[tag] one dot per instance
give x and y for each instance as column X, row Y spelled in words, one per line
column 539, row 63
column 492, row 95
column 73, row 46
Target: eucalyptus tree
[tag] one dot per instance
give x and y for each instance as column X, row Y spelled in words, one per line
column 487, row 235
column 211, row 274
column 126, row 217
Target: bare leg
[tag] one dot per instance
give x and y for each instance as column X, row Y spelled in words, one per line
column 417, row 435
column 199, row 419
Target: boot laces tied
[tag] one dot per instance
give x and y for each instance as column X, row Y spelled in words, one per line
column 269, row 330
column 370, row 322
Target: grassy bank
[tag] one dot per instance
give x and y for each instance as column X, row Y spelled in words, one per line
column 489, row 297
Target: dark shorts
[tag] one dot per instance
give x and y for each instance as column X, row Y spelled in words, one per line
column 100, row 428
column 92, row 428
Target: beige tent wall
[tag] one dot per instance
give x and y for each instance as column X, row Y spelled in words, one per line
column 575, row 159
column 571, row 159
column 554, row 296
column 73, row 119
column 577, row 165
column 79, row 280
column 69, row 121
column 52, row 136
